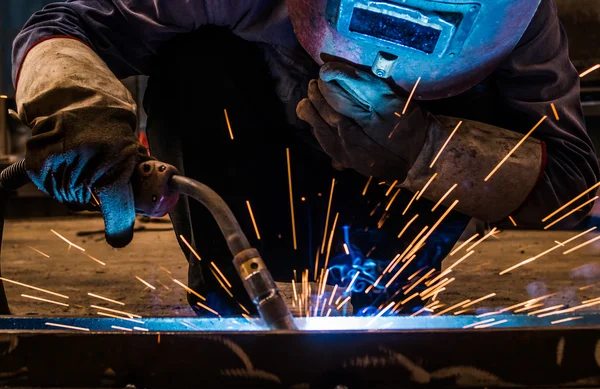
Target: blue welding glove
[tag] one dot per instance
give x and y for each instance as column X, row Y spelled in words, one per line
column 354, row 116
column 83, row 132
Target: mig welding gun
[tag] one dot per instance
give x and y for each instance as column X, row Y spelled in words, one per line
column 157, row 187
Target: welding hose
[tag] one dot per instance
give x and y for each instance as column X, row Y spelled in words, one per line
column 157, row 187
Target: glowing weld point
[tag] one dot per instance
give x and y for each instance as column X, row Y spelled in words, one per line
column 67, row 240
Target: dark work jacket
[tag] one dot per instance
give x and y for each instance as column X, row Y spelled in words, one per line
column 129, row 34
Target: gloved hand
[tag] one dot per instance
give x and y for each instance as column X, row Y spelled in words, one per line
column 83, row 122
column 353, row 116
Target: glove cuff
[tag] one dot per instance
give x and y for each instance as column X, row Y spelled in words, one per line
column 470, row 156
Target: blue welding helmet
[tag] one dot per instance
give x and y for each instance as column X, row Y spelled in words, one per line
column 452, row 44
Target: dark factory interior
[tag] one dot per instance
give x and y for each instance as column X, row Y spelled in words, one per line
column 299, row 193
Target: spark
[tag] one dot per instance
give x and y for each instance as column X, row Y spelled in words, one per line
column 388, row 267
column 189, row 246
column 316, row 264
column 593, row 68
column 529, row 307
column 572, row 201
column 323, row 284
column 383, row 219
column 408, row 225
column 253, row 220
column 394, row 198
column 452, row 307
column 444, row 145
column 397, row 114
column 370, row 251
column 399, row 271
column 479, row 300
column 420, row 311
column 327, row 216
column 409, row 298
column 440, row 220
column 478, row 323
column 346, row 249
column 374, row 209
column 97, row 203
column 221, row 283
column 45, row 300
column 408, row 249
column 437, row 291
column 515, row 148
column 65, row 326
column 105, row 298
column 411, row 95
column 370, row 287
column 189, row 290
column 247, row 317
column 528, row 302
column 165, row 270
column 243, row 308
column 566, row 319
column 449, row 269
column 39, row 252
column 491, row 324
column 330, row 240
column 571, row 212
column 116, row 311
column 573, row 309
column 492, row 232
column 333, row 294
column 328, row 312
column 221, row 274
column 352, row 282
column 34, row 288
column 323, row 307
column 489, row 314
column 121, row 328
column 416, row 273
column 145, row 283
column 426, row 185
column 419, row 281
column 228, row 124
column 94, row 259
column 581, row 245
column 560, row 244
column 437, row 288
column 555, row 111
column 164, row 286
column 367, row 186
column 409, row 203
column 589, row 286
column 208, row 309
column 343, row 303
column 119, row 317
column 294, row 288
column 391, row 188
column 140, row 329
column 466, row 242
column 380, row 313
column 462, row 311
column 513, row 221
column 289, row 169
column 67, row 240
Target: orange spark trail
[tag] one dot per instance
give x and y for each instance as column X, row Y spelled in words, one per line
column 34, row 288
column 593, row 68
column 228, row 124
column 207, row 308
column 492, row 232
column 581, row 245
column 189, row 246
column 67, row 240
column 392, row 200
column 452, row 307
column 367, row 186
column 343, row 303
column 479, row 300
column 327, row 216
column 380, row 314
column 105, row 299
column 416, row 273
column 289, row 169
column 65, row 326
column 119, row 317
column 514, row 149
column 44, row 300
column 492, row 324
column 572, row 201
column 419, row 281
column 449, row 269
column 253, row 220
column 478, row 323
column 426, row 185
column 345, row 246
column 555, row 111
column 221, row 274
column 94, row 259
column 220, row 283
column 408, row 225
column 409, row 203
column 391, row 188
column 512, row 221
column 411, row 95
column 571, row 212
column 566, row 319
column 444, row 145
column 145, row 283
column 116, row 311
column 39, row 252
column 330, row 240
column 189, row 290
column 553, row 308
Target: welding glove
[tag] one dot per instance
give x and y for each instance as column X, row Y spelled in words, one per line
column 83, row 121
column 356, row 117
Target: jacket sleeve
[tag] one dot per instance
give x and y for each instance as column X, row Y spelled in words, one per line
column 128, row 34
column 537, row 74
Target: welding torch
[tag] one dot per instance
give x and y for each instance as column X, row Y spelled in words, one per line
column 157, row 187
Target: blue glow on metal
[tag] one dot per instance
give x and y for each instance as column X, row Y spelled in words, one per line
column 328, row 324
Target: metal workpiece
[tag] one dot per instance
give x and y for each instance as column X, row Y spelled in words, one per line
column 263, row 291
column 326, row 353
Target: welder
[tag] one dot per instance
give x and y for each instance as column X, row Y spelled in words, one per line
column 346, row 68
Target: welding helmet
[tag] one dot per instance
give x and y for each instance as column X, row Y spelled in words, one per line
column 452, row 44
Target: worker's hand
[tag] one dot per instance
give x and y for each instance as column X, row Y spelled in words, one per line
column 83, row 132
column 354, row 117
